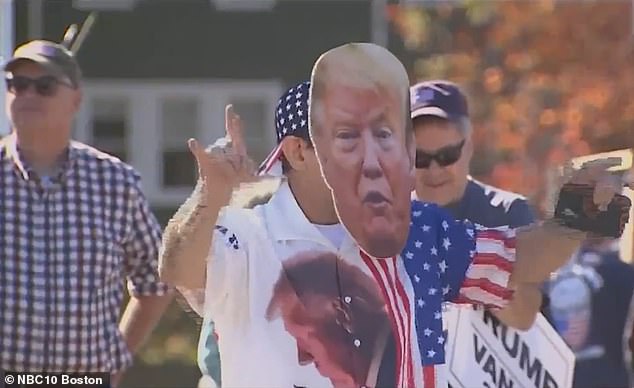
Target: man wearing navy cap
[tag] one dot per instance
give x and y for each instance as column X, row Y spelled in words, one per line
column 444, row 148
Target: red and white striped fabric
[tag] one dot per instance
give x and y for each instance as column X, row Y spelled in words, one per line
column 486, row 280
column 385, row 272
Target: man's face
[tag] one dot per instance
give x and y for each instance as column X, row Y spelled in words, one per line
column 436, row 183
column 48, row 112
column 329, row 359
column 360, row 143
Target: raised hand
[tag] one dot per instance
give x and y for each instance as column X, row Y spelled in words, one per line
column 224, row 165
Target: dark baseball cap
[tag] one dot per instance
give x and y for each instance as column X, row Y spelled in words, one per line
column 291, row 119
column 438, row 98
column 56, row 58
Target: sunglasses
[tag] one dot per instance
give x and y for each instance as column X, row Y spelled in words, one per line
column 45, row 86
column 445, row 156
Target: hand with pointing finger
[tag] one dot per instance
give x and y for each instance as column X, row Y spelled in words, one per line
column 187, row 238
column 225, row 165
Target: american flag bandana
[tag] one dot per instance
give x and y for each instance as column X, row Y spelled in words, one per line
column 291, row 119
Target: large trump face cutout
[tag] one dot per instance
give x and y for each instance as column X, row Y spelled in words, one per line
column 360, row 126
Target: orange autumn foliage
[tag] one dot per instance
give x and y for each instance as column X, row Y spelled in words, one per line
column 547, row 80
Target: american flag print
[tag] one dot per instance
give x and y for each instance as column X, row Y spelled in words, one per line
column 445, row 261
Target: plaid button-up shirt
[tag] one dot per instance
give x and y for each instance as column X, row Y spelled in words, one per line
column 66, row 246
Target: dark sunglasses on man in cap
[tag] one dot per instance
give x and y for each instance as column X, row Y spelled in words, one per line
column 45, row 86
column 446, row 156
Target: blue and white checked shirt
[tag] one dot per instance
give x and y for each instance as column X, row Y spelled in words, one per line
column 66, row 246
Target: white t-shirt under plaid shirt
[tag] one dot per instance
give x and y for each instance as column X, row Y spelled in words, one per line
column 66, row 246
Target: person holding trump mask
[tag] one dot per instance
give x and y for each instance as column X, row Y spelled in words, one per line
column 365, row 153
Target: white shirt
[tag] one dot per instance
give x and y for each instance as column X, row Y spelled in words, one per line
column 246, row 260
column 334, row 233
column 245, row 263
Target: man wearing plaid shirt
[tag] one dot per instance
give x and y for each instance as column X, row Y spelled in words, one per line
column 73, row 224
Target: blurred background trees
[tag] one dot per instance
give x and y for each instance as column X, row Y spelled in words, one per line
column 547, row 80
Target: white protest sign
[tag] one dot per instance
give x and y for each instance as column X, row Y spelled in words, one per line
column 482, row 352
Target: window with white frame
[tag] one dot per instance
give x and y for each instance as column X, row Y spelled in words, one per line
column 110, row 125
column 180, row 120
column 147, row 124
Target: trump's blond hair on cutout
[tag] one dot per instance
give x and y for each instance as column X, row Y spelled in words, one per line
column 362, row 66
